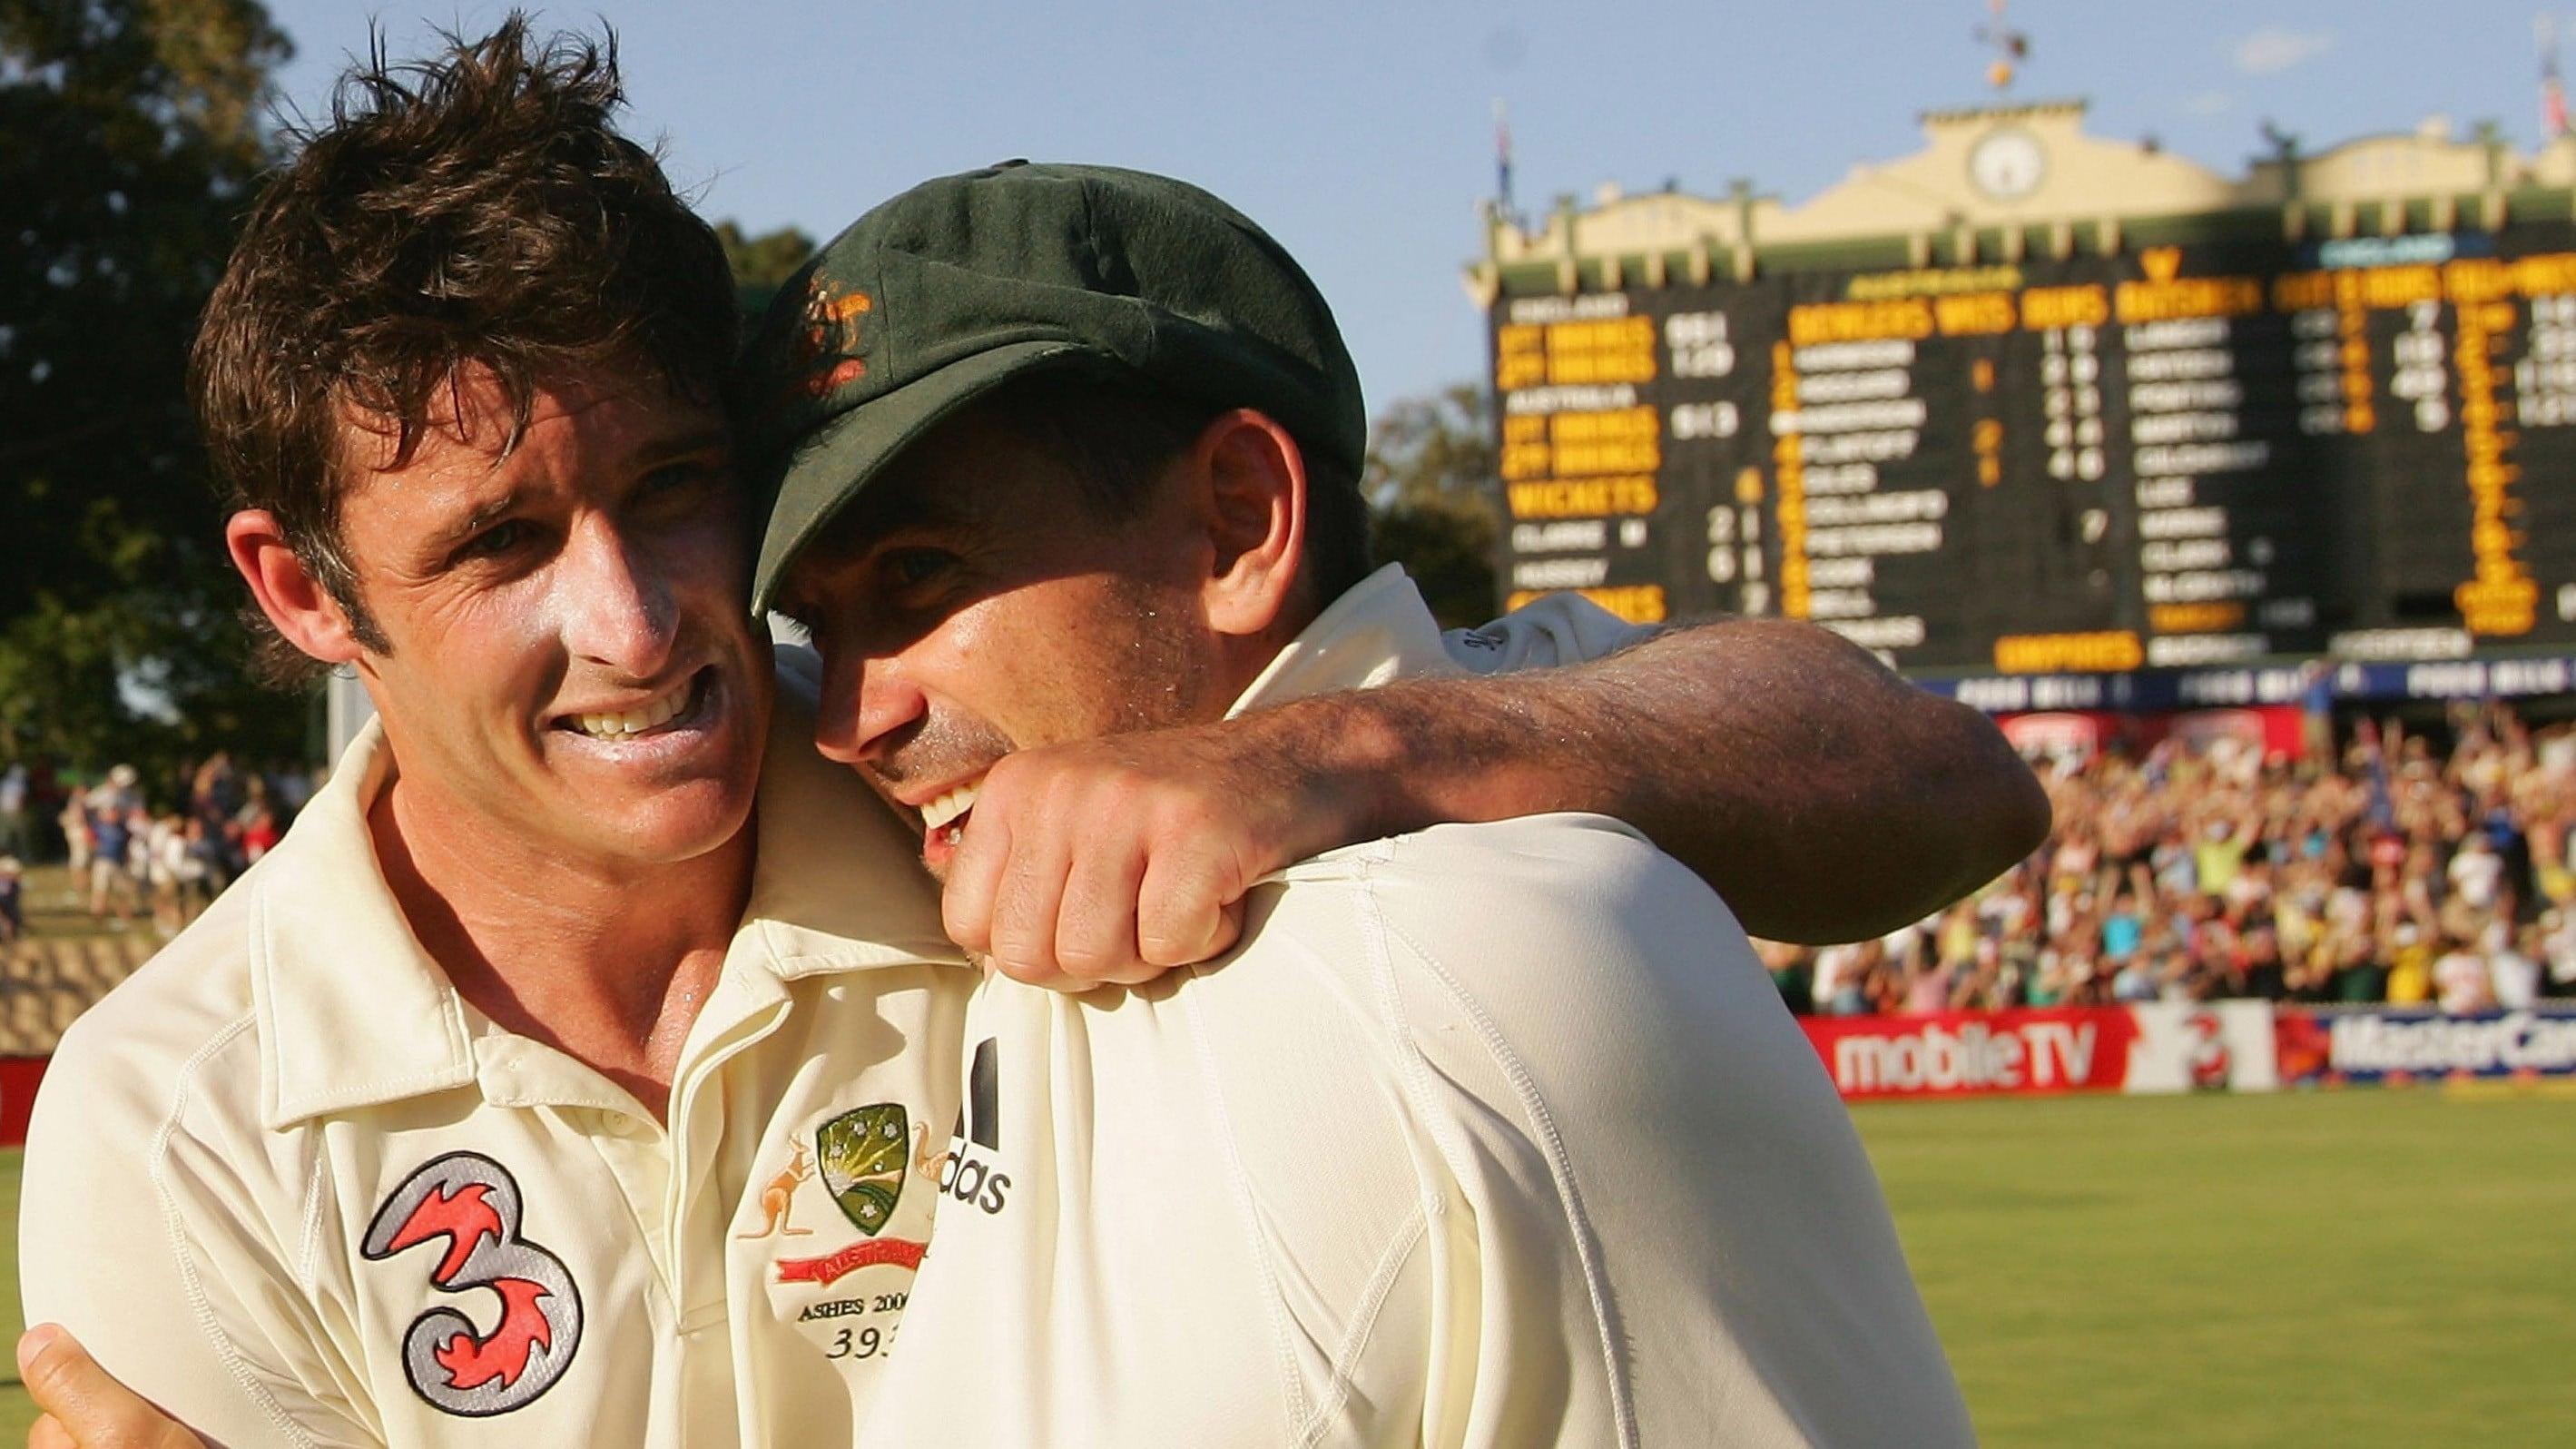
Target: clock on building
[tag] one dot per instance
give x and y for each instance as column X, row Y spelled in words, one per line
column 2008, row 164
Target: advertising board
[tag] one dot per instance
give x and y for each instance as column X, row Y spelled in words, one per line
column 2156, row 1047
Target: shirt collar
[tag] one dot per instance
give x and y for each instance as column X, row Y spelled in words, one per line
column 352, row 1012
column 1379, row 630
column 839, row 885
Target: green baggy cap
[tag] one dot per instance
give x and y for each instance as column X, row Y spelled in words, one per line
column 961, row 284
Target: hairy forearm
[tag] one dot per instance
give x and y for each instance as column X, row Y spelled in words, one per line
column 1823, row 797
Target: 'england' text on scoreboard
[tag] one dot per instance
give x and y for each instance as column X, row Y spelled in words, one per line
column 2173, row 458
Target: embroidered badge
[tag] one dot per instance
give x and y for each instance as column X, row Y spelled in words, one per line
column 473, row 1203
column 828, row 353
column 864, row 1156
column 778, row 1199
column 864, row 1153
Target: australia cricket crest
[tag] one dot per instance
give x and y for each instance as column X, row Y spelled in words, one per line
column 862, row 1156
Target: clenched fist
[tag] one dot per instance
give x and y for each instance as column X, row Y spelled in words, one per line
column 1111, row 861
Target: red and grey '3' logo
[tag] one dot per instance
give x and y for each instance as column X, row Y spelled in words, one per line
column 473, row 1202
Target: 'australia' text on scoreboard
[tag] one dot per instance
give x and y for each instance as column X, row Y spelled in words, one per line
column 2168, row 457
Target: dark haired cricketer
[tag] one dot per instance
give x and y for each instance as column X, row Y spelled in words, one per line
column 582, row 1067
column 1483, row 1135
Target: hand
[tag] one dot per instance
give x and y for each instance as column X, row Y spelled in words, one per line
column 85, row 1407
column 1111, row 861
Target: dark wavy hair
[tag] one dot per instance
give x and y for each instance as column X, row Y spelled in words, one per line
column 473, row 211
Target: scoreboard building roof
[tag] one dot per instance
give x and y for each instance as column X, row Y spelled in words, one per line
column 2036, row 402
column 2026, row 179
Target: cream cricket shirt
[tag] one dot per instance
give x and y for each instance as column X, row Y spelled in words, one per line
column 288, row 1184
column 1490, row 1135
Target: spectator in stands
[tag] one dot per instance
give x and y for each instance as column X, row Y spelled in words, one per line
column 13, row 906
column 112, row 896
column 138, row 854
column 2513, row 972
column 2460, row 983
column 164, row 849
column 2191, row 872
column 1840, row 976
column 78, row 837
column 2558, row 949
column 17, row 827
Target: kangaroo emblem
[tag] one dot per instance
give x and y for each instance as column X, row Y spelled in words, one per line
column 778, row 1199
column 925, row 1161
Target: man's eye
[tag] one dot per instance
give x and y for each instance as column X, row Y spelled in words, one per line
column 497, row 540
column 679, row 478
column 910, row 567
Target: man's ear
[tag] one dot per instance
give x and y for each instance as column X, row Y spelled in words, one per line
column 287, row 592
column 1254, row 493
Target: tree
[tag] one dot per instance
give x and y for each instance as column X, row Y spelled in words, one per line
column 129, row 138
column 762, row 264
column 1431, row 484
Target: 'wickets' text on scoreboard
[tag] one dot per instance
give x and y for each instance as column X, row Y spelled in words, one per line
column 2179, row 456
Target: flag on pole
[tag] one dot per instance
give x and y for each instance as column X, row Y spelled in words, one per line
column 1502, row 155
column 2553, row 94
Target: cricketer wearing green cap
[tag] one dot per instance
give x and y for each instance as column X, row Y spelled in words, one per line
column 1482, row 1134
column 1788, row 768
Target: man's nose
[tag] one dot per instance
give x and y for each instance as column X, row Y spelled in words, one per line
column 865, row 701
column 620, row 609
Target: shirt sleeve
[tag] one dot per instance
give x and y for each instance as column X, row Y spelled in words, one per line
column 171, row 1256
column 1557, row 629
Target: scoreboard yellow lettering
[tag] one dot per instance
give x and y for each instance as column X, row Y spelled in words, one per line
column 1610, row 335
column 1583, row 497
column 2393, row 287
column 2303, row 291
column 1614, row 457
column 1626, row 425
column 2478, row 280
column 2108, row 651
column 1570, row 369
column 1974, row 314
column 2497, row 605
column 1610, row 350
column 2047, row 309
column 1858, row 321
column 2201, row 618
column 1627, row 440
column 1520, row 357
column 2542, row 275
column 2189, row 297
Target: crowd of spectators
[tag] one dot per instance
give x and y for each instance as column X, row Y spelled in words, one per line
column 130, row 863
column 2393, row 871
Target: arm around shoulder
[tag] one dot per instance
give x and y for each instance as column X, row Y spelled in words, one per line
column 1823, row 796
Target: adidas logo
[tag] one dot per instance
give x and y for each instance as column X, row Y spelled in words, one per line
column 964, row 1176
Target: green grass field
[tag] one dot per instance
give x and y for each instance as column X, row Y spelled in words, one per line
column 2345, row 1268
column 17, row 1411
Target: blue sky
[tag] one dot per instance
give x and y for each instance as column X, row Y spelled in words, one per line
column 1361, row 134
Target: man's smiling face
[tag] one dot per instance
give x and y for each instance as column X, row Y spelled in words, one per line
column 972, row 602
column 569, row 661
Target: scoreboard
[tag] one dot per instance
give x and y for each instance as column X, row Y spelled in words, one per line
column 2168, row 457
